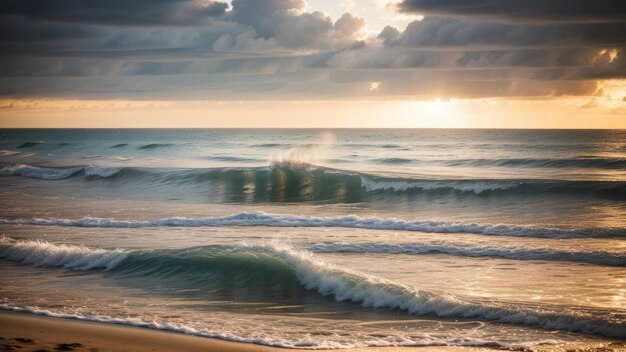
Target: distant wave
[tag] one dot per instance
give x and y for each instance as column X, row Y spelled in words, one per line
column 284, row 268
column 45, row 254
column 582, row 162
column 8, row 152
column 43, row 173
column 394, row 161
column 267, row 145
column 391, row 146
column 465, row 186
column 102, row 172
column 592, row 257
column 156, row 145
column 233, row 159
column 120, row 145
column 29, row 144
column 296, row 183
column 352, row 221
column 47, row 173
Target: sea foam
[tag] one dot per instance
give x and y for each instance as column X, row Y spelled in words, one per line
column 51, row 173
column 591, row 257
column 328, row 279
column 351, row 221
column 45, row 254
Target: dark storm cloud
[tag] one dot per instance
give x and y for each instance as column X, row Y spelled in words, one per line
column 275, row 49
column 522, row 10
column 116, row 12
column 438, row 31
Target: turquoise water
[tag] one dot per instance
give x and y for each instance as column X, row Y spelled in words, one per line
column 321, row 239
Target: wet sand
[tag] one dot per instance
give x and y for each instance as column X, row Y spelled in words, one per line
column 26, row 332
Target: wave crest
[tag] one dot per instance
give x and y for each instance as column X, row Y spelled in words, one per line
column 45, row 254
column 313, row 274
column 593, row 257
column 43, row 173
column 351, row 221
column 290, row 179
column 51, row 173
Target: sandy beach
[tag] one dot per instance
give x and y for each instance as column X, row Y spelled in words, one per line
column 24, row 332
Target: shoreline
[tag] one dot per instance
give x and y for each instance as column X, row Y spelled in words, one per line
column 21, row 331
column 29, row 332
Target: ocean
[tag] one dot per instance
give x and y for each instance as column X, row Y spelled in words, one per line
column 321, row 238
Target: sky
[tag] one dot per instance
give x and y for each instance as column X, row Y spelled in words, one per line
column 316, row 63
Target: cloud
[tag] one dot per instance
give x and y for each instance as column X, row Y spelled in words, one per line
column 289, row 26
column 277, row 49
column 522, row 10
column 441, row 32
column 590, row 105
column 116, row 12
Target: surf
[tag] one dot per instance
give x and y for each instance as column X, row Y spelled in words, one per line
column 255, row 264
column 260, row 218
column 301, row 182
column 463, row 250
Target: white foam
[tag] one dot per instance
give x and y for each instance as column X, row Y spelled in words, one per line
column 344, row 285
column 350, row 221
column 8, row 152
column 100, row 171
column 308, row 154
column 45, row 254
column 477, row 187
column 373, row 292
column 47, row 173
column 593, row 257
column 273, row 337
column 42, row 173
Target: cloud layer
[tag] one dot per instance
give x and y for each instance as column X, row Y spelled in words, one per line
column 277, row 50
column 522, row 10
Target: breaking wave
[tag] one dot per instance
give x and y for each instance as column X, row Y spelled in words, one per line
column 49, row 173
column 351, row 221
column 296, row 183
column 156, row 146
column 592, row 257
column 278, row 268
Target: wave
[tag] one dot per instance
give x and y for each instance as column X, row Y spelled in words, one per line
column 101, row 172
column 280, row 267
column 29, row 145
column 580, row 162
column 286, row 182
column 43, row 173
column 592, row 257
column 463, row 186
column 267, row 145
column 48, row 173
column 8, row 152
column 232, row 159
column 351, row 221
column 120, row 145
column 391, row 146
column 610, row 163
column 45, row 254
column 156, row 145
column 394, row 161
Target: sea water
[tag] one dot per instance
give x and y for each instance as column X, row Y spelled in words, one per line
column 321, row 238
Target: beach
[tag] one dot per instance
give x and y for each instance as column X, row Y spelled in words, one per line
column 24, row 332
